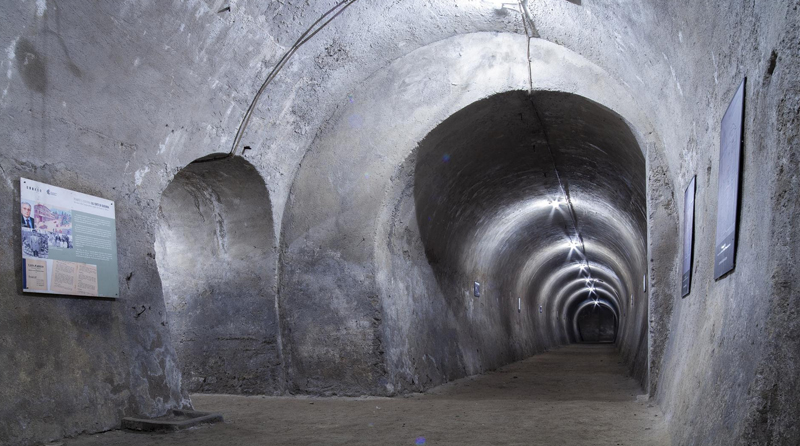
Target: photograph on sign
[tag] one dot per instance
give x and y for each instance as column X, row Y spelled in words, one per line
column 688, row 237
column 730, row 149
column 69, row 242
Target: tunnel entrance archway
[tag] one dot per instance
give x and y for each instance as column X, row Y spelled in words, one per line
column 596, row 322
column 541, row 197
column 386, row 324
column 216, row 258
column 480, row 201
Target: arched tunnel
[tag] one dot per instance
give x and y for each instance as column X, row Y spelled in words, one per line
column 445, row 222
column 537, row 197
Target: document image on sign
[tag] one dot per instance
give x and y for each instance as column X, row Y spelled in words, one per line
column 69, row 242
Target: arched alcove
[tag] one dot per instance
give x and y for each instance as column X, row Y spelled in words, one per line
column 596, row 322
column 216, row 258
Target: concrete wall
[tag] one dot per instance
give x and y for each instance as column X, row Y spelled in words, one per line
column 723, row 362
column 481, row 183
column 744, row 314
column 416, row 318
column 110, row 100
column 115, row 99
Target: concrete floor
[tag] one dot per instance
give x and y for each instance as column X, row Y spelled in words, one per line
column 576, row 395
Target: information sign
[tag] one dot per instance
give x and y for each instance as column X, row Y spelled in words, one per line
column 69, row 242
column 688, row 236
column 728, row 193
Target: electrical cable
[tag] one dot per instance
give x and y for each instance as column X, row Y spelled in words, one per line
column 523, row 12
column 525, row 19
column 302, row 40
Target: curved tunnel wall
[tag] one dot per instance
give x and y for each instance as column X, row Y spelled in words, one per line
column 490, row 209
column 475, row 203
column 88, row 112
column 354, row 253
column 215, row 254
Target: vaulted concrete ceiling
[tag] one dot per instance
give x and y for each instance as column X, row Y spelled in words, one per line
column 546, row 190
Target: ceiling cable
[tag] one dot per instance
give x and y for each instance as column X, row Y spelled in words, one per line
column 525, row 19
column 316, row 27
column 562, row 189
column 527, row 23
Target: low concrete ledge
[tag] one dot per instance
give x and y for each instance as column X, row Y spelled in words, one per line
column 175, row 420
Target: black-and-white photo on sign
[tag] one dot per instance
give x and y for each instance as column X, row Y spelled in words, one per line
column 688, row 236
column 730, row 150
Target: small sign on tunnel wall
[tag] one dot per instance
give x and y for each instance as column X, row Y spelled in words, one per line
column 730, row 154
column 476, row 288
column 688, row 236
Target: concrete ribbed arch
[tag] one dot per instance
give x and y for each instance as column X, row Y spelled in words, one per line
column 578, row 300
column 595, row 304
column 563, row 284
column 547, row 276
column 482, row 197
column 592, row 301
column 583, row 284
column 353, row 214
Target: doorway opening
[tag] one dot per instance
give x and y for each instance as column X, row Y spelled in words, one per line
column 596, row 323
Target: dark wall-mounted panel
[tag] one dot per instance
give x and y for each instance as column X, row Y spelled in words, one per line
column 728, row 194
column 688, row 236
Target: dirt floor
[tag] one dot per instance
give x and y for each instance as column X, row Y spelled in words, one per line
column 576, row 395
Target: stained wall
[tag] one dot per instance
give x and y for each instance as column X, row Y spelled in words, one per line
column 114, row 100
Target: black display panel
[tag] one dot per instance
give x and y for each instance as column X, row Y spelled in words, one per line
column 688, row 237
column 730, row 150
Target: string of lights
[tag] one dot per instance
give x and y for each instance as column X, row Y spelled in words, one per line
column 528, row 25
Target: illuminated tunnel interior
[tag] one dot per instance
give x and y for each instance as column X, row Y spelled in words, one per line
column 401, row 222
column 541, row 199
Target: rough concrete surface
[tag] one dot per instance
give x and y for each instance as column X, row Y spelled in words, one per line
column 329, row 229
column 470, row 192
column 577, row 395
column 349, row 289
column 214, row 249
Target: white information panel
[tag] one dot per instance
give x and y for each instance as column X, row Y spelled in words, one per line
column 69, row 242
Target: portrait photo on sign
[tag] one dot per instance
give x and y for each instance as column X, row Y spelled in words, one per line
column 27, row 218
